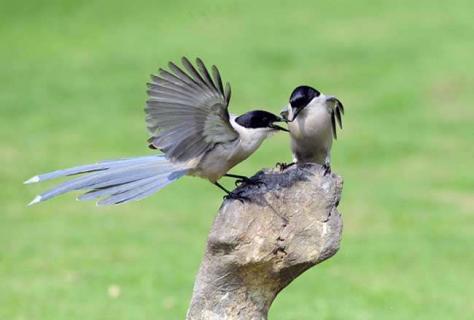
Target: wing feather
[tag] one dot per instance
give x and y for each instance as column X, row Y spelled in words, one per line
column 205, row 73
column 195, row 74
column 181, row 74
column 186, row 111
column 217, row 79
column 227, row 92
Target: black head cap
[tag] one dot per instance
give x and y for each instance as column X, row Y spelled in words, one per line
column 258, row 119
column 302, row 96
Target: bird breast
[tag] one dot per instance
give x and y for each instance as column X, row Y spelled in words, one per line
column 313, row 123
column 311, row 134
column 224, row 156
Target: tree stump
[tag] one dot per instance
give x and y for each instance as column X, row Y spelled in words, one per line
column 257, row 247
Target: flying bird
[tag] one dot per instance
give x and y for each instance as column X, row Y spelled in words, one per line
column 188, row 120
column 312, row 118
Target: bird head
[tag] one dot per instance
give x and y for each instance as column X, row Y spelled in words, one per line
column 304, row 96
column 259, row 119
column 300, row 98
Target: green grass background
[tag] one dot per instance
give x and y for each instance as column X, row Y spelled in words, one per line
column 72, row 85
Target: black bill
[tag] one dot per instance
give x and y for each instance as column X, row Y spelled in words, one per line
column 277, row 127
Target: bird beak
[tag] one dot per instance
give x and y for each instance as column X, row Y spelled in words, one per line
column 284, row 113
column 295, row 113
column 277, row 127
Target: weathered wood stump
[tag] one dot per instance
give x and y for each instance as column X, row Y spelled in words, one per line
column 257, row 247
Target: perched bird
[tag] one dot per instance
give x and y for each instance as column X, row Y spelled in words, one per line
column 187, row 117
column 311, row 118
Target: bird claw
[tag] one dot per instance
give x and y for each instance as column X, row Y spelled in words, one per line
column 283, row 166
column 248, row 181
column 239, row 182
column 236, row 195
column 327, row 169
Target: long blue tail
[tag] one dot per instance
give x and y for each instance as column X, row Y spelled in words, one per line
column 115, row 181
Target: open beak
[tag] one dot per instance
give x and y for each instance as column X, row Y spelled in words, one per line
column 277, row 127
column 284, row 113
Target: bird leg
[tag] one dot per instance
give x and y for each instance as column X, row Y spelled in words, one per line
column 220, row 186
column 327, row 168
column 239, row 179
column 243, row 179
column 231, row 194
column 327, row 165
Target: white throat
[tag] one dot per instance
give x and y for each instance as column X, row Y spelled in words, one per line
column 250, row 138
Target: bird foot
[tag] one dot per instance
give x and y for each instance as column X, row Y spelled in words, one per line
column 236, row 195
column 248, row 181
column 283, row 166
column 327, row 169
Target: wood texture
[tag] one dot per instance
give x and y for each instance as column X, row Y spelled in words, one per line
column 256, row 248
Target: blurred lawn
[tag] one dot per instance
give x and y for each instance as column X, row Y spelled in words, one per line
column 72, row 78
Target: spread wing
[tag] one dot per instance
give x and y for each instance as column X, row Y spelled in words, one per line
column 186, row 111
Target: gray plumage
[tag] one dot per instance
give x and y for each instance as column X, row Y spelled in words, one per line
column 114, row 182
column 103, row 165
column 187, row 117
column 187, row 112
column 313, row 128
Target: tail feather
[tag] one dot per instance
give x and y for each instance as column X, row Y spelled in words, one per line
column 115, row 182
column 136, row 194
column 103, row 165
column 113, row 189
column 100, row 179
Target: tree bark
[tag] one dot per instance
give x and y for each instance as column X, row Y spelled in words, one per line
column 287, row 224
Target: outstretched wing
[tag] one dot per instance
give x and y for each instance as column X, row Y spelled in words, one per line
column 186, row 112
